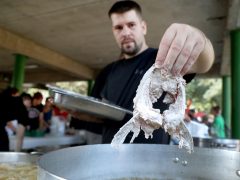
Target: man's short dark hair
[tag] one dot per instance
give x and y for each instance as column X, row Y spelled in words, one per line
column 37, row 95
column 124, row 6
column 26, row 96
column 10, row 91
column 216, row 109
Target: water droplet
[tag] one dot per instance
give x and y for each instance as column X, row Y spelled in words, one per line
column 176, row 160
column 184, row 163
column 238, row 172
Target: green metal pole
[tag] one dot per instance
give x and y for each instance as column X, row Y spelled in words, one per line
column 90, row 86
column 235, row 72
column 226, row 101
column 19, row 71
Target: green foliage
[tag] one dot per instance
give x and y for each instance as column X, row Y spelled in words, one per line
column 205, row 93
column 78, row 86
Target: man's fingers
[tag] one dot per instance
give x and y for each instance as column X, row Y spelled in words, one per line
column 164, row 46
column 192, row 58
column 175, row 49
column 183, row 57
column 179, row 48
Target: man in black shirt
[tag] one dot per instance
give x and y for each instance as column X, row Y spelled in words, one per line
column 183, row 50
column 11, row 107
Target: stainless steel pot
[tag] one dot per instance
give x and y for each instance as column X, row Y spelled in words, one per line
column 136, row 161
column 15, row 165
column 15, row 157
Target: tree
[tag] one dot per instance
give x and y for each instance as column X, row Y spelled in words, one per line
column 205, row 93
column 77, row 86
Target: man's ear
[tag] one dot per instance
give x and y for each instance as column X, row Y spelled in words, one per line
column 144, row 27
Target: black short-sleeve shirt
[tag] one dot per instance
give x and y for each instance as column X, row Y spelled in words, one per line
column 34, row 115
column 119, row 82
column 11, row 108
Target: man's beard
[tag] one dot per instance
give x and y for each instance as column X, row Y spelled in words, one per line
column 130, row 50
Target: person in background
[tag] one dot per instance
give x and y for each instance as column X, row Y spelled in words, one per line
column 11, row 126
column 14, row 92
column 218, row 127
column 210, row 123
column 183, row 50
column 27, row 100
column 47, row 113
column 196, row 128
column 61, row 113
column 191, row 114
column 36, row 112
column 12, row 107
column 59, row 121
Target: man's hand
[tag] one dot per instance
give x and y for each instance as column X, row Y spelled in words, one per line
column 184, row 49
column 20, row 136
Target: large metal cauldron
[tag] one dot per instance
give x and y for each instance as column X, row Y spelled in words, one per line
column 136, row 161
column 17, row 165
column 17, row 157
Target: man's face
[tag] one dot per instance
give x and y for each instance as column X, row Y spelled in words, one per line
column 129, row 31
column 27, row 103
